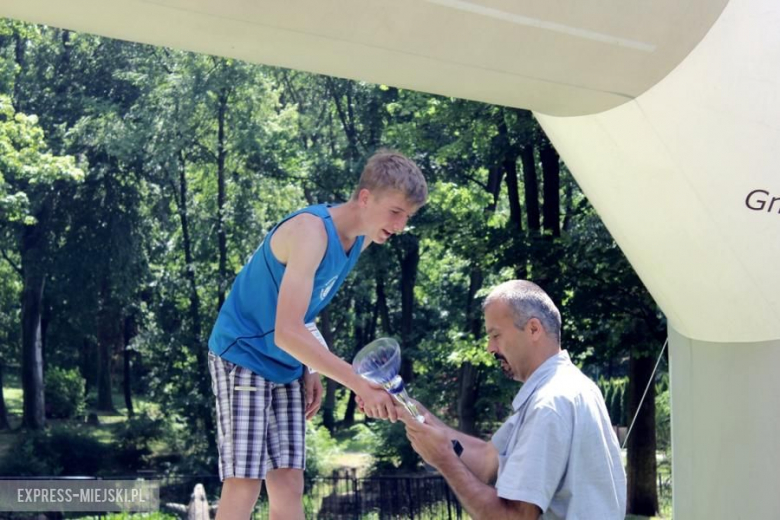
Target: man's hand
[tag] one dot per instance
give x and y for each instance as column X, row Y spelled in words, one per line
column 376, row 402
column 430, row 419
column 430, row 439
column 313, row 390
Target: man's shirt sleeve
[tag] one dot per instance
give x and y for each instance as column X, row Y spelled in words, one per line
column 534, row 462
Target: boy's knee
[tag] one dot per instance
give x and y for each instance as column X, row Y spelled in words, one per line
column 243, row 486
column 238, row 498
column 285, row 481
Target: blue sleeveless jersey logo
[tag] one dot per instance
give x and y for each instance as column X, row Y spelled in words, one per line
column 328, row 286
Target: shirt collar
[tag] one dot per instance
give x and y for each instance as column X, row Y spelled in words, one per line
column 540, row 376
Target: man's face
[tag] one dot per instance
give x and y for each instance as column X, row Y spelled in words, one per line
column 386, row 213
column 508, row 344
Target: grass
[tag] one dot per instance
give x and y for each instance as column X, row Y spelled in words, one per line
column 360, row 462
column 136, row 516
column 12, row 392
column 104, row 431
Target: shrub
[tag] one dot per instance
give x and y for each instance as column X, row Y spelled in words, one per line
column 134, row 439
column 320, row 446
column 663, row 414
column 394, row 452
column 64, row 393
column 133, row 516
column 362, row 439
column 60, row 450
column 615, row 393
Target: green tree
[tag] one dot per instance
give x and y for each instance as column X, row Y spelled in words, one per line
column 10, row 327
column 31, row 176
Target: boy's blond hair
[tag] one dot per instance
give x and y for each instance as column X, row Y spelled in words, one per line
column 391, row 170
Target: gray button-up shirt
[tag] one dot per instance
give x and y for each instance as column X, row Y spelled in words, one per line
column 558, row 449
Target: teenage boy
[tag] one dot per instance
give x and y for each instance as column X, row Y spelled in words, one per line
column 265, row 352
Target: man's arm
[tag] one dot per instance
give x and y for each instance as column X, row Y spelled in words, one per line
column 480, row 499
column 302, row 247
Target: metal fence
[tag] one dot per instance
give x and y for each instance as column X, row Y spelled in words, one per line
column 343, row 496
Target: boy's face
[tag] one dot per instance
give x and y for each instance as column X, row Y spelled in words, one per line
column 386, row 213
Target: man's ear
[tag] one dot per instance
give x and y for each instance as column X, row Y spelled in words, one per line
column 535, row 326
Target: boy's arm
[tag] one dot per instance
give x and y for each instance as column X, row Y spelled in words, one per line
column 305, row 245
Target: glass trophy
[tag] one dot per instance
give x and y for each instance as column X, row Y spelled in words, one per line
column 379, row 363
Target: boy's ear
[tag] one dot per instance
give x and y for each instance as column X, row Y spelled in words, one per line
column 363, row 195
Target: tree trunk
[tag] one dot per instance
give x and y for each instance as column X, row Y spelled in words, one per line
column 346, row 117
column 349, row 413
column 531, row 184
column 381, row 306
column 495, row 175
column 20, row 47
column 106, row 337
column 32, row 352
column 221, row 233
column 508, row 158
column 329, row 403
column 34, row 279
column 129, row 333
column 515, row 214
column 362, row 337
column 469, row 379
column 189, row 269
column 201, row 354
column 410, row 258
column 642, row 486
column 4, row 424
column 515, row 210
column 551, row 171
column 85, row 364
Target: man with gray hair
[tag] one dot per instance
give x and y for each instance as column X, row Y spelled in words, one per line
column 556, row 456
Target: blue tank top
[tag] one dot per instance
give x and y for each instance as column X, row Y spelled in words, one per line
column 244, row 331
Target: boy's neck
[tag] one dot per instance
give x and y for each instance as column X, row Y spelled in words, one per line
column 346, row 218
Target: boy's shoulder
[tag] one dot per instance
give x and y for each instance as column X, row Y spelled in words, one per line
column 304, row 222
column 303, row 230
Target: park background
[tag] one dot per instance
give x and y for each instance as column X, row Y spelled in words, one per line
column 135, row 181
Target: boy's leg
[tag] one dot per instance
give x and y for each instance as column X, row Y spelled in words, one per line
column 243, row 402
column 285, row 493
column 238, row 498
column 286, row 445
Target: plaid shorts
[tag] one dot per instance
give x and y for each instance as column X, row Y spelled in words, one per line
column 260, row 424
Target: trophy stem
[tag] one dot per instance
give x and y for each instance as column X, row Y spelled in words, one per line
column 396, row 387
column 405, row 400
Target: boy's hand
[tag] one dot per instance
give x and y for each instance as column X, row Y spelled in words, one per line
column 376, row 402
column 312, row 386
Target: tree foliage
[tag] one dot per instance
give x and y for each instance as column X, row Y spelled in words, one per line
column 151, row 175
